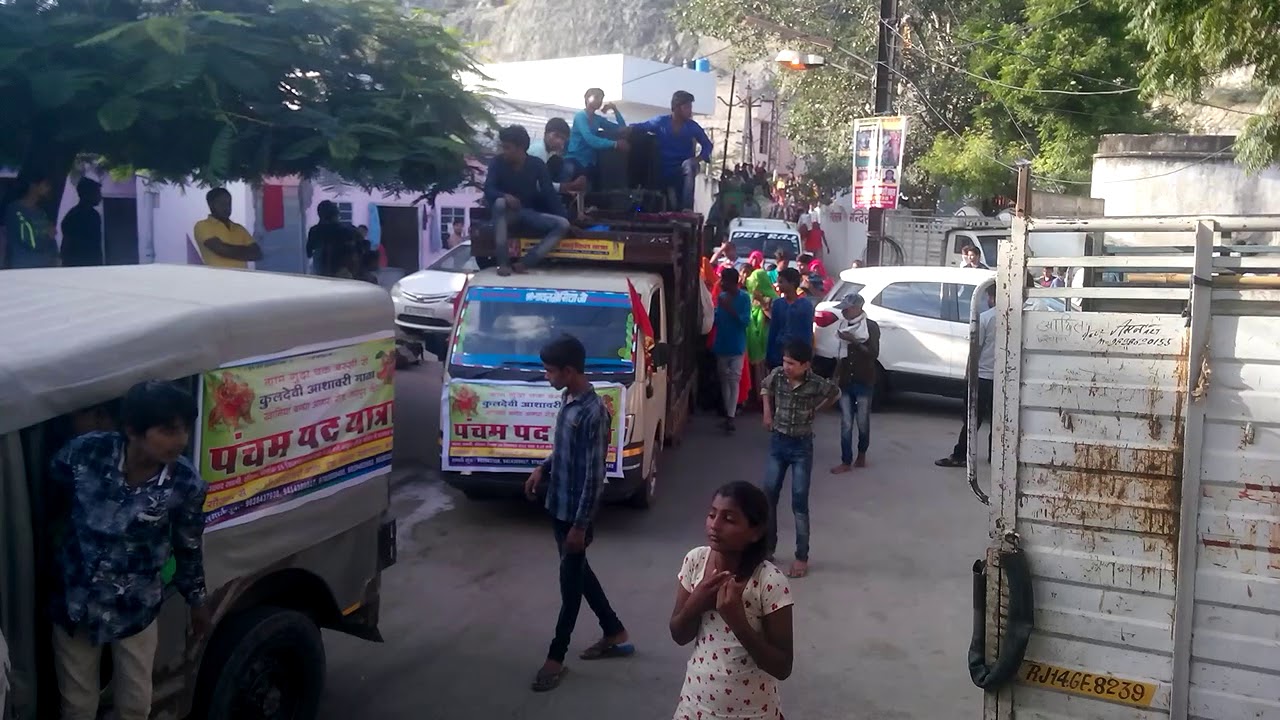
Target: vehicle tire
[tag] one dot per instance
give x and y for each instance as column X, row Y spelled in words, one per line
column 266, row 663
column 880, row 398
column 645, row 495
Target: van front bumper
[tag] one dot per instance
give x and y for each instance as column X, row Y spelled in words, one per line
column 502, row 484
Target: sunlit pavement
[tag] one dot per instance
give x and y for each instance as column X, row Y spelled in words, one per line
column 882, row 622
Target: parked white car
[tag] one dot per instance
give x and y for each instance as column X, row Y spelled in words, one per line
column 923, row 314
column 424, row 301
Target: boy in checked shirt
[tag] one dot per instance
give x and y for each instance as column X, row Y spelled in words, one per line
column 793, row 394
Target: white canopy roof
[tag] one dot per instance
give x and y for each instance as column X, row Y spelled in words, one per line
column 73, row 337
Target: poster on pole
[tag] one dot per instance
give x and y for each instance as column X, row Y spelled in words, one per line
column 506, row 426
column 877, row 161
column 284, row 429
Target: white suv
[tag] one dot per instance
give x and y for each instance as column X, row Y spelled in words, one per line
column 923, row 314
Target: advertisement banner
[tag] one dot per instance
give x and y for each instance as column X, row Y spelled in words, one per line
column 877, row 161
column 284, row 429
column 507, row 426
column 578, row 248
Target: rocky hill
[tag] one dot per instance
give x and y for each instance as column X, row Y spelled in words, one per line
column 541, row 29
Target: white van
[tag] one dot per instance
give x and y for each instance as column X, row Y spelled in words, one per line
column 766, row 236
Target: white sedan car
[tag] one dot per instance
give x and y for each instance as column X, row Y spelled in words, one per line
column 424, row 301
column 923, row 314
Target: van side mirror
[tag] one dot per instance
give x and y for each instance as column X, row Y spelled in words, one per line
column 661, row 355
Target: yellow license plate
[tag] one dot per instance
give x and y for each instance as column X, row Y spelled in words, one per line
column 1079, row 682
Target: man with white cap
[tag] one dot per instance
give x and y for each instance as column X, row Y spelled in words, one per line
column 855, row 374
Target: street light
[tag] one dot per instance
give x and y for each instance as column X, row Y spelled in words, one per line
column 795, row 60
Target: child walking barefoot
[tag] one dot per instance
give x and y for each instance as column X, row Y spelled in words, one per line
column 735, row 607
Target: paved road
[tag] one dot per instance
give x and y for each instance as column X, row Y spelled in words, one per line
column 882, row 623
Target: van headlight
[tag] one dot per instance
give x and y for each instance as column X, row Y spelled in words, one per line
column 628, row 428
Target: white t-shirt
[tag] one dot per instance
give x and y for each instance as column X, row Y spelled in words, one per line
column 722, row 680
column 987, row 344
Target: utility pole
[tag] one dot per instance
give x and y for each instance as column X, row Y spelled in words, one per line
column 883, row 106
column 728, row 125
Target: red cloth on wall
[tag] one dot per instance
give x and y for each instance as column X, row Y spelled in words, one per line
column 272, row 207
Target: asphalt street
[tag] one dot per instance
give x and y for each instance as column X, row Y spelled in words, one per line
column 882, row 622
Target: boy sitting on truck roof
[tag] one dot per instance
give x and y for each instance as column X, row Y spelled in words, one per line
column 519, row 190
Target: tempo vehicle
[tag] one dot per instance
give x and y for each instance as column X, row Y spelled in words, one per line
column 294, row 378
column 766, row 236
column 603, row 287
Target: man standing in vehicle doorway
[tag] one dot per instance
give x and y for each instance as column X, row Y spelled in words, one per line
column 986, row 384
column 571, row 479
column 122, row 504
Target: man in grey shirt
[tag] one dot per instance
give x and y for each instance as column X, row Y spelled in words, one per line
column 986, row 385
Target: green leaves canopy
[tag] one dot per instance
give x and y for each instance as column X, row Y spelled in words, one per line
column 1191, row 42
column 238, row 89
column 971, row 76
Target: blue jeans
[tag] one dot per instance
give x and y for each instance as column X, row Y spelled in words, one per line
column 680, row 186
column 855, row 404
column 551, row 227
column 796, row 453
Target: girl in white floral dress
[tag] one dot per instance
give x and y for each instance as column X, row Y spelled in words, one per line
column 735, row 607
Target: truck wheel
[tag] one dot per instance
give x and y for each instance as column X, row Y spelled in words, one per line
column 648, row 491
column 266, row 663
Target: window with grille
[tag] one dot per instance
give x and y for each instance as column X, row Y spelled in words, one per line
column 344, row 212
column 448, row 216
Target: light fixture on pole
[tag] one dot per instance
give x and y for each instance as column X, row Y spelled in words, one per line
column 795, row 60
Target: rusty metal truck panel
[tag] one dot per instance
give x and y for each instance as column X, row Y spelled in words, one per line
column 1134, row 462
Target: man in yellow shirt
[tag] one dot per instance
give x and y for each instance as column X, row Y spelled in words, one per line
column 222, row 242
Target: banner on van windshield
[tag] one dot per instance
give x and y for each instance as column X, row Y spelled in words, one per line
column 283, row 429
column 497, row 426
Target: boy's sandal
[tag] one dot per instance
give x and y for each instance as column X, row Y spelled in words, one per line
column 603, row 650
column 545, row 681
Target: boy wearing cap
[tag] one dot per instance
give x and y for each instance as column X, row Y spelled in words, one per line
column 855, row 374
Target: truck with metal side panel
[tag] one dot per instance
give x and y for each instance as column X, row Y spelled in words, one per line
column 1134, row 570
column 294, row 381
column 604, row 286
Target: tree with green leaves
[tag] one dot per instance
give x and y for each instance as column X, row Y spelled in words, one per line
column 1054, row 76
column 821, row 104
column 1193, row 42
column 216, row 90
column 984, row 84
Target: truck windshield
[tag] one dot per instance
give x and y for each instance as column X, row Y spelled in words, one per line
column 502, row 330
column 769, row 243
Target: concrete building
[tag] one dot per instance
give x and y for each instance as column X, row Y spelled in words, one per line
column 1180, row 175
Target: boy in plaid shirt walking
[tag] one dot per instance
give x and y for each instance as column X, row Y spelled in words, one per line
column 793, row 394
